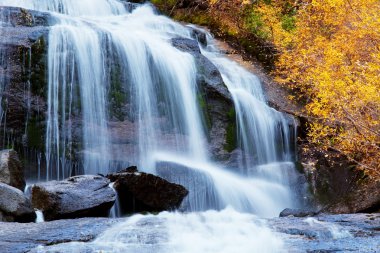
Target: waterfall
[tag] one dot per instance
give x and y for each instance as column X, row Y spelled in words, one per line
column 119, row 93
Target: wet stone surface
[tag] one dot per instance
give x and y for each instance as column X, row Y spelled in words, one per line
column 330, row 233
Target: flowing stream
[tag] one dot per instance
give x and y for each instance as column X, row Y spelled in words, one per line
column 109, row 63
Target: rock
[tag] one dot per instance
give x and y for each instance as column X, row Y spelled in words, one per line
column 297, row 213
column 143, row 192
column 329, row 233
column 23, row 64
column 21, row 237
column 203, row 194
column 14, row 206
column 75, row 197
column 337, row 186
column 365, row 197
column 215, row 101
column 199, row 35
column 11, row 170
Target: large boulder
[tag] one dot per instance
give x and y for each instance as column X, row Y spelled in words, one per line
column 14, row 206
column 75, row 197
column 11, row 169
column 143, row 192
column 336, row 183
column 364, row 197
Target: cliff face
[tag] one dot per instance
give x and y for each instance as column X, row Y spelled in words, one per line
column 335, row 182
column 24, row 84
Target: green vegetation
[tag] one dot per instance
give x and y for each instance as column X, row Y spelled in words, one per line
column 231, row 135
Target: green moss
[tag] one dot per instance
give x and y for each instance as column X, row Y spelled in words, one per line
column 38, row 64
column 36, row 133
column 288, row 23
column 255, row 24
column 117, row 94
column 231, row 131
column 204, row 109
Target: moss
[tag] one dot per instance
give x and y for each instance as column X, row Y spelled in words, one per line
column 26, row 19
column 36, row 133
column 205, row 111
column 38, row 64
column 231, row 131
column 288, row 23
column 254, row 23
column 117, row 95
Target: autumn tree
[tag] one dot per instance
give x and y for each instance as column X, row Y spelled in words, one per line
column 333, row 62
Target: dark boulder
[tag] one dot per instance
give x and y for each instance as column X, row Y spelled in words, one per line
column 297, row 213
column 143, row 192
column 11, row 170
column 335, row 182
column 364, row 197
column 75, row 197
column 14, row 206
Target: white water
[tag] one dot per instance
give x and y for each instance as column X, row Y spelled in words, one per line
column 335, row 231
column 96, row 42
column 40, row 216
column 226, row 231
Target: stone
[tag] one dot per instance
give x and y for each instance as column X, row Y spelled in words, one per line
column 75, row 197
column 14, row 206
column 24, row 237
column 199, row 35
column 336, row 184
column 11, row 169
column 365, row 197
column 23, row 63
column 297, row 213
column 217, row 104
column 143, row 192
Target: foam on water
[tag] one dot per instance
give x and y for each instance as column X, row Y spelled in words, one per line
column 225, row 231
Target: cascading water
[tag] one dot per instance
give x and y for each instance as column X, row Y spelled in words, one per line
column 114, row 72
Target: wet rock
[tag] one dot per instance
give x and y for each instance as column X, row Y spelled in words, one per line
column 14, row 206
column 21, row 237
column 15, row 16
column 75, row 197
column 202, row 195
column 199, row 35
column 329, row 233
column 23, row 64
column 11, row 170
column 143, row 192
column 215, row 101
column 297, row 213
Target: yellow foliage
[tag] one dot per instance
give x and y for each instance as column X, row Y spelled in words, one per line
column 334, row 61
